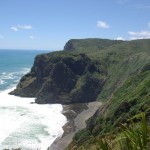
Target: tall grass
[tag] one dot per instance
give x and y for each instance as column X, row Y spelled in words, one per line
column 103, row 145
column 136, row 136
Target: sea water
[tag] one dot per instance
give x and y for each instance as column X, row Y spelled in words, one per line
column 24, row 124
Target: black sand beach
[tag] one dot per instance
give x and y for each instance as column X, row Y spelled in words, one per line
column 76, row 114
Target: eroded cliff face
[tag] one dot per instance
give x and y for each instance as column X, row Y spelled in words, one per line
column 62, row 77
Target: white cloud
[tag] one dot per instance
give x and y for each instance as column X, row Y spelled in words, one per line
column 139, row 35
column 120, row 38
column 21, row 27
column 102, row 24
column 31, row 37
column 14, row 28
column 1, row 37
column 24, row 27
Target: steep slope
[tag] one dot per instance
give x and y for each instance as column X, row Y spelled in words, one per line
column 115, row 72
column 120, row 59
column 62, row 77
column 123, row 60
column 129, row 100
column 84, row 74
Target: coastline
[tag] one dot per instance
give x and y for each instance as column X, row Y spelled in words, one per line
column 76, row 114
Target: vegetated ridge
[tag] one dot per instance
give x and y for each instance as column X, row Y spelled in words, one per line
column 125, row 94
column 115, row 72
column 69, row 76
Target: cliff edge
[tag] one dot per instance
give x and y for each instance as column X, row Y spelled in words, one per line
column 62, row 77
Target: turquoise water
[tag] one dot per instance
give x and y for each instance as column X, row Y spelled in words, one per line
column 24, row 125
column 13, row 64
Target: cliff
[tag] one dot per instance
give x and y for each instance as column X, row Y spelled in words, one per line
column 114, row 72
column 130, row 78
column 90, row 71
column 62, row 77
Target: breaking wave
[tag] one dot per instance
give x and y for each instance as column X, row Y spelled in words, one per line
column 28, row 125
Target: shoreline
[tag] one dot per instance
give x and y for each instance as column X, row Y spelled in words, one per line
column 76, row 115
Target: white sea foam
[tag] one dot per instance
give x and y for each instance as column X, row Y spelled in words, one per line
column 13, row 75
column 2, row 81
column 28, row 126
column 10, row 79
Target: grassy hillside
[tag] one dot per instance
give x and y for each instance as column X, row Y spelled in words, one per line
column 122, row 61
column 126, row 91
column 129, row 100
column 135, row 136
column 115, row 72
column 91, row 44
column 119, row 59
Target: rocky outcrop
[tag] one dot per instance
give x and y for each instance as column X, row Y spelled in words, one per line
column 62, row 77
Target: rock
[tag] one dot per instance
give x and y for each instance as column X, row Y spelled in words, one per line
column 61, row 77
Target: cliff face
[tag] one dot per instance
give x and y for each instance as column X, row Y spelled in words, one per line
column 115, row 72
column 86, row 70
column 61, row 77
column 128, row 88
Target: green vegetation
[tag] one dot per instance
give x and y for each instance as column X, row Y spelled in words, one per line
column 114, row 72
column 131, row 136
column 89, row 45
column 129, row 100
column 118, row 59
column 103, row 64
column 125, row 93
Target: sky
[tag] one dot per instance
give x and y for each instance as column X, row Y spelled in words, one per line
column 49, row 24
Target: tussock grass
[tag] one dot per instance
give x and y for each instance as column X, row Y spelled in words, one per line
column 134, row 135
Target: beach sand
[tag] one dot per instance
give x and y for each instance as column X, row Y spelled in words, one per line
column 76, row 114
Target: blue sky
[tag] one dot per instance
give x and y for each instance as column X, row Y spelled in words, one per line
column 49, row 24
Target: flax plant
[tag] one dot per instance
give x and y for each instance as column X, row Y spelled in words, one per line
column 136, row 135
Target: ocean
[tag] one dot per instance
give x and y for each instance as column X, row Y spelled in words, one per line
column 23, row 124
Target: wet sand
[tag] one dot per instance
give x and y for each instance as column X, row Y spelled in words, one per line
column 76, row 114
